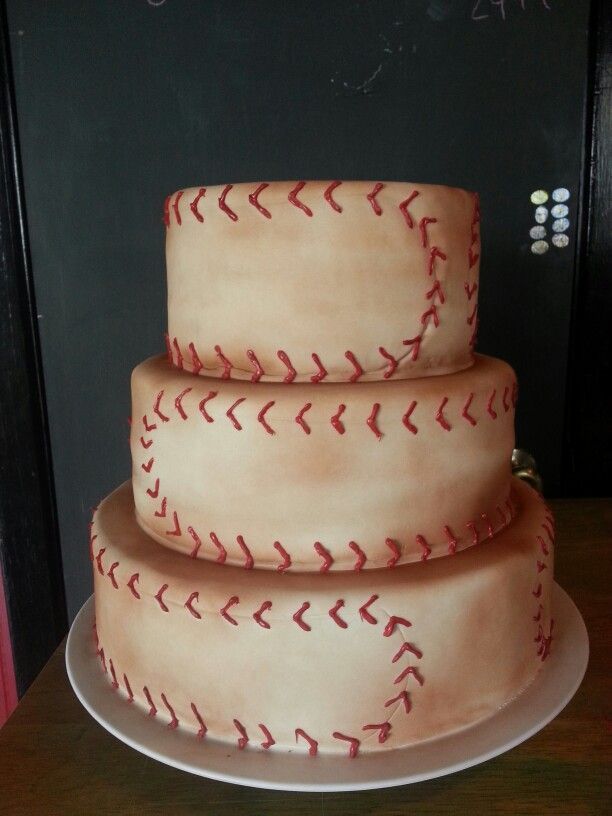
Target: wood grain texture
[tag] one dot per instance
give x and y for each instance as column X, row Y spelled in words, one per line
column 55, row 759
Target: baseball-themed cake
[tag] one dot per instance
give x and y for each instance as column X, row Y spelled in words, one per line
column 322, row 548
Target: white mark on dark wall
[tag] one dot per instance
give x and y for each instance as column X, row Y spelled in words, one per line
column 539, row 247
column 560, row 194
column 559, row 211
column 537, row 233
column 503, row 9
column 560, row 222
column 539, row 197
column 560, row 240
column 156, row 2
column 390, row 51
column 541, row 214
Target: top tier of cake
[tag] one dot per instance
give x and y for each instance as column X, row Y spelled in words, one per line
column 322, row 281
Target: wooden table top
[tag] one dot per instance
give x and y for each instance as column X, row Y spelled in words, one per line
column 55, row 759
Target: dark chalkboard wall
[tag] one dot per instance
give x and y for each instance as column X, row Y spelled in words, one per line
column 120, row 103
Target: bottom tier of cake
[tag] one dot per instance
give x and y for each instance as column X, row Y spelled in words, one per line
column 343, row 662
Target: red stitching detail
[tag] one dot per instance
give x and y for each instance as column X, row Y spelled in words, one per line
column 176, row 531
column 472, row 317
column 114, row 683
column 410, row 670
column 195, row 596
column 541, row 566
column 161, row 513
column 392, row 362
column 472, row 257
column 103, row 660
column 227, row 366
column 423, row 223
column 159, row 597
column 197, row 542
column 194, row 204
column 471, row 526
column 99, row 560
column 327, row 195
column 403, row 207
column 175, row 207
column 270, row 741
column 538, row 617
column 297, row 616
column 203, row 411
column 230, row 413
column 257, row 615
column 415, row 342
column 134, row 579
column 179, row 356
column 253, row 199
column 156, row 408
column 431, row 312
column 542, row 545
column 452, row 540
column 196, row 363
column 222, row 551
column 248, row 562
column 286, row 563
column 406, row 418
column 371, row 421
column 256, row 364
column 435, row 252
column 436, row 289
column 300, row 417
column 382, row 728
column 327, row 559
column 153, row 707
column 470, row 290
column 174, row 721
column 393, row 622
column 440, row 418
column 223, row 611
column 485, row 517
column 371, row 196
column 155, row 492
column 465, row 414
column 321, row 373
column 472, row 342
column 111, row 574
column 178, row 403
column 407, row 647
column 128, row 688
column 549, row 532
column 544, row 649
column 313, row 745
column 335, row 420
column 295, row 201
column 354, row 743
column 537, row 593
column 167, row 211
column 361, row 556
column 505, row 400
column 353, row 361
column 291, row 372
column 490, row 410
column 261, row 417
column 168, row 348
column 394, row 547
column 405, row 699
column 363, row 610
column 244, row 737
column 223, row 206
column 147, row 427
column 424, row 546
column 333, row 614
column 148, row 465
column 146, row 444
column 203, row 729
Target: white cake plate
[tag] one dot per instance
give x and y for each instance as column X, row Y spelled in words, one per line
column 554, row 687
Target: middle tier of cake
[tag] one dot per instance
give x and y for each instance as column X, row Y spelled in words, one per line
column 322, row 477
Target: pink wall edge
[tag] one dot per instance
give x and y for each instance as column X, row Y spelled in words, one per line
column 8, row 689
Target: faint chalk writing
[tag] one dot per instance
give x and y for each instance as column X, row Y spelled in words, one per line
column 483, row 9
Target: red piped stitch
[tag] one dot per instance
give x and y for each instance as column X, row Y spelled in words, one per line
column 227, row 366
column 327, row 195
column 421, row 541
column 537, row 592
column 203, row 411
column 159, row 597
column 485, row 517
column 404, row 697
column 194, row 204
column 223, row 611
column 541, row 566
column 548, row 530
column 156, row 408
column 431, row 312
column 392, row 623
column 371, row 421
column 333, row 614
column 155, row 492
column 111, row 574
column 146, row 466
column 353, row 361
column 465, row 413
column 128, row 688
column 415, row 342
column 361, row 556
column 321, row 373
column 452, row 540
column 203, row 729
column 300, row 418
column 335, row 420
column 392, row 362
column 179, row 355
column 261, row 417
column 327, row 559
column 407, row 647
column 297, row 616
column 313, row 745
column 147, row 427
column 293, row 199
column 178, row 403
column 291, row 372
column 173, row 718
column 490, row 410
column 257, row 615
column 423, row 223
column 436, row 289
column 114, row 683
column 146, row 443
column 472, row 257
column 470, row 290
column 286, row 563
column 440, row 418
column 371, row 196
column 152, row 706
column 175, row 207
column 176, row 531
column 471, row 526
column 195, row 596
column 133, row 580
column 99, row 560
column 472, row 317
column 230, row 413
column 248, row 558
column 544, row 649
column 161, row 513
column 393, row 546
column 257, row 366
column 103, row 660
column 167, row 211
column 223, row 206
column 382, row 728
column 196, row 363
column 406, row 418
column 404, row 208
column 270, row 741
column 435, row 252
column 538, row 617
column 410, row 670
column 542, row 545
column 168, row 348
column 222, row 551
column 244, row 737
column 364, row 614
column 354, row 743
column 472, row 342
column 253, row 200
column 197, row 542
